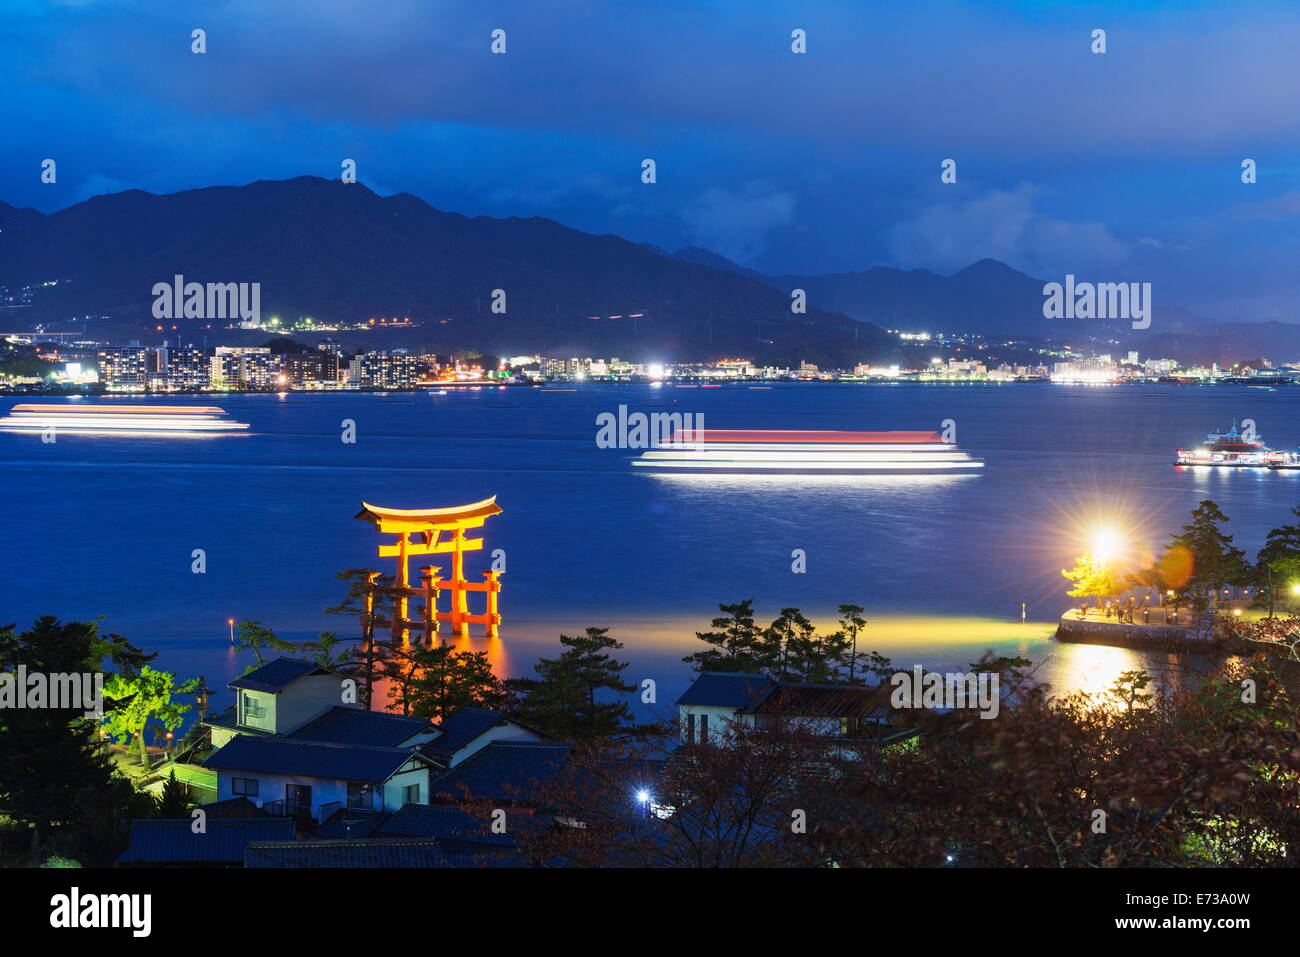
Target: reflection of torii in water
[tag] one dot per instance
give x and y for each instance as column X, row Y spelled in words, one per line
column 428, row 524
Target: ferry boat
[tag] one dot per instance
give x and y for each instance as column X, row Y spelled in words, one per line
column 113, row 419
column 805, row 452
column 1282, row 459
column 1231, row 449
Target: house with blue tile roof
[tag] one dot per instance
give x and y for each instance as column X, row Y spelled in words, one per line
column 221, row 842
column 399, row 852
column 292, row 747
column 280, row 696
column 348, row 725
column 718, row 702
column 309, row 780
column 469, row 730
column 509, row 772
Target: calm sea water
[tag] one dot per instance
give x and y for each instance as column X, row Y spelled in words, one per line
column 105, row 526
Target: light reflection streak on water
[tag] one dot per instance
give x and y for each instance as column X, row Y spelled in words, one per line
column 760, row 483
column 938, row 643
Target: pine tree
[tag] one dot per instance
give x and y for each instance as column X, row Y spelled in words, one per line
column 255, row 636
column 1214, row 561
column 438, row 681
column 1283, row 541
column 735, row 642
column 852, row 624
column 52, row 763
column 1277, row 564
column 173, row 802
column 564, row 699
column 370, row 598
column 788, row 644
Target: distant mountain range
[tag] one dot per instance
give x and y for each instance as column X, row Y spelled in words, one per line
column 340, row 253
column 987, row 297
column 1226, row 343
column 995, row 300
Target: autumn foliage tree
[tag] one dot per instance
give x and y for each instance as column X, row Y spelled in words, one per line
column 1204, row 772
column 1185, row 776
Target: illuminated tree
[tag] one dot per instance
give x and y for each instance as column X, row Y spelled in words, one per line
column 1091, row 576
column 141, row 697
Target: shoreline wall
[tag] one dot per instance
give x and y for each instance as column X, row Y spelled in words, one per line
column 1104, row 632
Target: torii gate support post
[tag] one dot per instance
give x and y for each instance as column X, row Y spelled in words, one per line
column 403, row 585
column 493, row 618
column 459, row 600
column 431, row 586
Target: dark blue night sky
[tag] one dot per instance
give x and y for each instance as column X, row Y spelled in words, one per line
column 1126, row 162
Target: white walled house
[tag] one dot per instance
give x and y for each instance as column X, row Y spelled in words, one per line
column 299, row 778
column 718, row 702
column 278, row 697
column 294, row 745
column 709, row 707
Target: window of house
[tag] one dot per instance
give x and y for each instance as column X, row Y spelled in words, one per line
column 249, row 708
column 704, row 729
column 360, row 796
column 690, row 727
column 244, row 786
column 411, row 794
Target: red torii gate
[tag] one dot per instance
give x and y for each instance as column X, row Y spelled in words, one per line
column 428, row 525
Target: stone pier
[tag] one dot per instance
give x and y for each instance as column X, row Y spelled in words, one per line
column 1100, row 630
